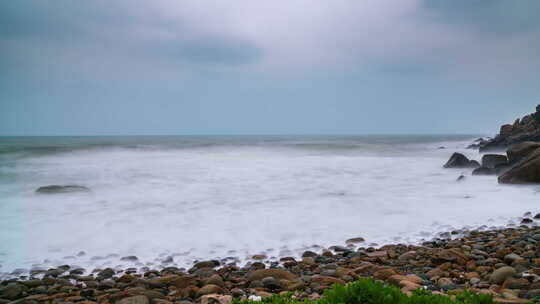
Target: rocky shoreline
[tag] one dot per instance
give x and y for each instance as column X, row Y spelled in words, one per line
column 520, row 163
column 502, row 262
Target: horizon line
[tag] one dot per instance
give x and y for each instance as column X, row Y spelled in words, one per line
column 247, row 134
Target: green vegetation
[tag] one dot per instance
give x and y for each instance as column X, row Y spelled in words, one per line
column 367, row 291
column 537, row 114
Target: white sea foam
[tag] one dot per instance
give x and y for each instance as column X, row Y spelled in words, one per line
column 238, row 200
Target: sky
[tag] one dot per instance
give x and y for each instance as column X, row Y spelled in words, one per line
column 134, row 67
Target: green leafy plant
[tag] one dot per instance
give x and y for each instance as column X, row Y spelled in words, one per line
column 368, row 291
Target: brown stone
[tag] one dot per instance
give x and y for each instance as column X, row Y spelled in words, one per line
column 326, row 280
column 512, row 283
column 397, row 278
column 216, row 299
column 210, row 289
column 384, row 273
column 377, row 254
column 435, row 272
column 355, row 240
column 408, row 286
column 183, row 282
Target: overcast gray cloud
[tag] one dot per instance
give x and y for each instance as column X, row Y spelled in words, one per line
column 193, row 67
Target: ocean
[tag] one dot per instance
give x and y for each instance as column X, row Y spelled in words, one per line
column 172, row 200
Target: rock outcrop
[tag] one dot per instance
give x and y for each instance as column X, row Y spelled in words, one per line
column 525, row 129
column 520, row 151
column 524, row 172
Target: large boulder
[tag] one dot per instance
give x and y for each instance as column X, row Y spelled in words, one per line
column 54, row 189
column 493, row 160
column 519, row 151
column 458, row 160
column 526, row 171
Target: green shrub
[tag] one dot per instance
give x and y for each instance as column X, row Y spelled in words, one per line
column 537, row 114
column 367, row 291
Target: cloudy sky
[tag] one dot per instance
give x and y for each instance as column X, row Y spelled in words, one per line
column 266, row 67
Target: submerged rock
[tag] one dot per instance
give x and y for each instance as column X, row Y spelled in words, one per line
column 54, row 189
column 458, row 160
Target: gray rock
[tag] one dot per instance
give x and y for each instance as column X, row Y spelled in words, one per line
column 407, row 256
column 256, row 284
column 206, row 264
column 106, row 273
column 499, row 275
column 328, row 272
column 271, row 283
column 130, row 258
column 215, row 279
column 55, row 189
column 13, row 291
column 309, row 254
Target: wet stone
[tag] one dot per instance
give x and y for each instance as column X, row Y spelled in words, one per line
column 130, row 258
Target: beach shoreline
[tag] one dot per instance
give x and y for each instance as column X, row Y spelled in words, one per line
column 503, row 262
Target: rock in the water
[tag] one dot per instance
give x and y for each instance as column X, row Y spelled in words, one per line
column 131, row 258
column 483, row 171
column 527, row 171
column 519, row 151
column 492, row 160
column 458, row 160
column 106, row 273
column 206, row 264
column 355, row 240
column 54, row 189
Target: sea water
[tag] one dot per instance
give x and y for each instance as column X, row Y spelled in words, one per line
column 191, row 198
